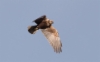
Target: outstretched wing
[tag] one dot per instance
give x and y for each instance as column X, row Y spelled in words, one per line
column 52, row 35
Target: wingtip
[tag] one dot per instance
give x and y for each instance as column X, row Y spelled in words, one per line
column 43, row 16
column 32, row 29
column 59, row 50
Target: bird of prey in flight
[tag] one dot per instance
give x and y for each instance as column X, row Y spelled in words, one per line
column 45, row 25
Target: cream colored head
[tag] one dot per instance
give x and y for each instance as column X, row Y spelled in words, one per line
column 49, row 21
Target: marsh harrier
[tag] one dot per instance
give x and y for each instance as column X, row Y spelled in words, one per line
column 49, row 32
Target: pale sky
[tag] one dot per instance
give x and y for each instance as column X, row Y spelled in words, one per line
column 77, row 21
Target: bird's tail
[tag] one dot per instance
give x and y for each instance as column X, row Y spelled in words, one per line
column 32, row 29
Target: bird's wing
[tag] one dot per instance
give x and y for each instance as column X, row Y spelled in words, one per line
column 53, row 37
column 32, row 29
column 40, row 19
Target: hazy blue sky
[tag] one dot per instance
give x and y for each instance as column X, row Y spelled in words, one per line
column 77, row 21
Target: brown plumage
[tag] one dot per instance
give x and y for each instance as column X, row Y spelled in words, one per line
column 49, row 32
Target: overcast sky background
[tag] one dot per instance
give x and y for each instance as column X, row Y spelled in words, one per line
column 77, row 21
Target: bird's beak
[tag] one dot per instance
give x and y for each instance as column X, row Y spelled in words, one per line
column 52, row 22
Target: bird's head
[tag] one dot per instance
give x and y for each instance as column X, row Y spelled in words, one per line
column 50, row 22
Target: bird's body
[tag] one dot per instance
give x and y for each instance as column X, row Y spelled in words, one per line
column 49, row 32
